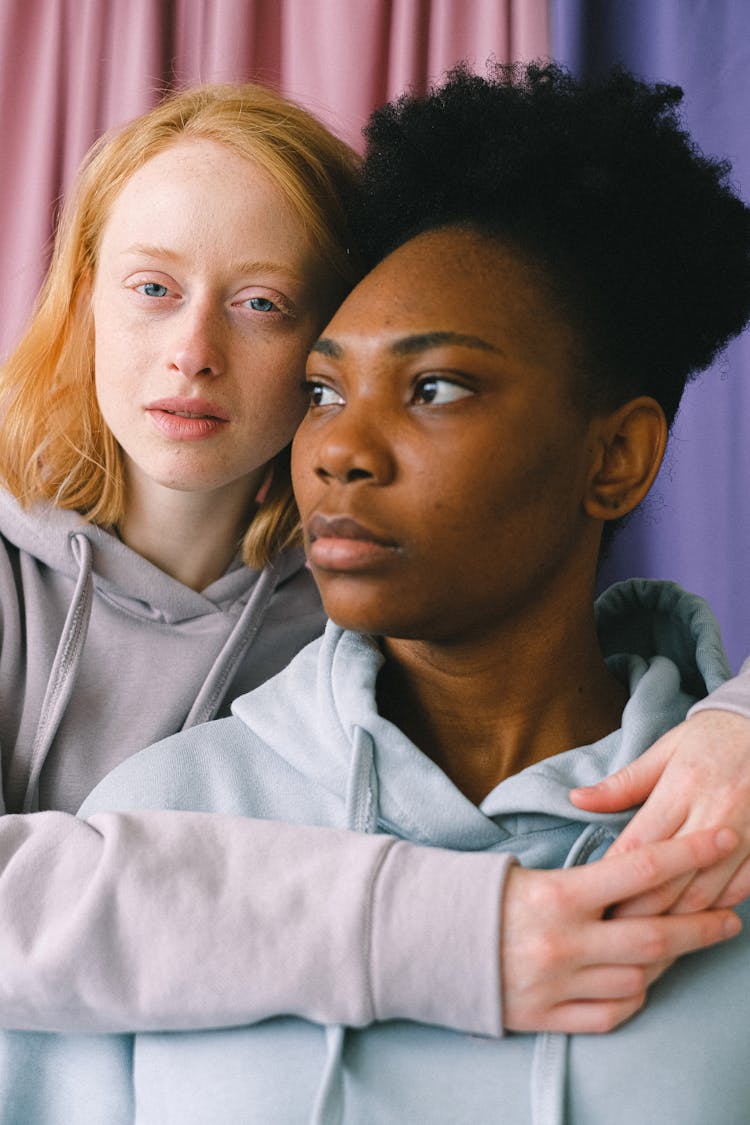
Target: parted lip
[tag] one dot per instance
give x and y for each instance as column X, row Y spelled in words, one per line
column 189, row 407
column 321, row 526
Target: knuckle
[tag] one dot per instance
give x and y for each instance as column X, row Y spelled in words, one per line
column 637, row 981
column 609, row 1016
column 697, row 896
column 654, row 942
column 646, row 866
column 547, row 953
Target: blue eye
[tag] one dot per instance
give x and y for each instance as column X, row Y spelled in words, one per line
column 322, row 395
column 438, row 391
column 152, row 289
column 262, row 304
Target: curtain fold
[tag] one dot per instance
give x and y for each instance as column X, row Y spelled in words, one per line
column 70, row 69
column 695, row 528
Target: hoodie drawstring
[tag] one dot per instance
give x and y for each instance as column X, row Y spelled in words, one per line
column 70, row 650
column 360, row 816
column 550, row 1062
column 64, row 669
column 209, row 698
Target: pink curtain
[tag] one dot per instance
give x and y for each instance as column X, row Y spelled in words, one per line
column 69, row 69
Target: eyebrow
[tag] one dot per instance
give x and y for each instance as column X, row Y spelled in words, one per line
column 240, row 267
column 412, row 345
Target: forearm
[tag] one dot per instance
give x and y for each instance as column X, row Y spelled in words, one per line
column 733, row 696
column 188, row 920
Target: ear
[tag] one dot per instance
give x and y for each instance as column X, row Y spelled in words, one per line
column 630, row 445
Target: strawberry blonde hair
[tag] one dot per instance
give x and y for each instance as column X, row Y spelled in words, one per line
column 56, row 446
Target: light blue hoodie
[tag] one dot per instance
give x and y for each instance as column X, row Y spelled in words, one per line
column 309, row 746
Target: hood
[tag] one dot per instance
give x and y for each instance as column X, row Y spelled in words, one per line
column 99, row 566
column 54, row 537
column 661, row 641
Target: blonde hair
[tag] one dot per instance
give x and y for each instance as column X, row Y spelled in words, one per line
column 56, row 445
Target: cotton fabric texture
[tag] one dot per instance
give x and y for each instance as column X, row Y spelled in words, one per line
column 310, row 747
column 96, row 640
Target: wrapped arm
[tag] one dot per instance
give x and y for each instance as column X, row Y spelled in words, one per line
column 696, row 775
column 734, row 696
column 175, row 920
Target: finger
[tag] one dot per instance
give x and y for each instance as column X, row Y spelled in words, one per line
column 629, row 786
column 661, row 817
column 738, row 887
column 659, row 901
column 614, row 982
column 609, row 982
column 653, row 941
column 587, row 1017
column 725, row 884
column 613, row 880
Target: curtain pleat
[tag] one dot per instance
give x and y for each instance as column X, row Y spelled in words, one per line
column 71, row 69
column 694, row 528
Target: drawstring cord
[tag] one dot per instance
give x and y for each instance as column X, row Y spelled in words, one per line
column 70, row 650
column 209, row 698
column 360, row 816
column 64, row 669
column 549, row 1066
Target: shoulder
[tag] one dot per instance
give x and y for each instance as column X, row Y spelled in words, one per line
column 204, row 769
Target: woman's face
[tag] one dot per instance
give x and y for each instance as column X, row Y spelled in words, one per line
column 441, row 466
column 205, row 305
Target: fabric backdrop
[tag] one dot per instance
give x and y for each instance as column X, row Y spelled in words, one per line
column 695, row 527
column 70, row 69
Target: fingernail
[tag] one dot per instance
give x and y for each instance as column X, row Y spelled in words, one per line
column 732, row 926
column 726, row 840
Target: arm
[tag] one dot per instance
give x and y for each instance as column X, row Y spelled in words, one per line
column 193, row 920
column 697, row 775
column 188, row 920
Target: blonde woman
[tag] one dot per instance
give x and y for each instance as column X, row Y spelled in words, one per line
column 149, row 574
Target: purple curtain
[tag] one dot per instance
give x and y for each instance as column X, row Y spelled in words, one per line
column 695, row 528
column 69, row 69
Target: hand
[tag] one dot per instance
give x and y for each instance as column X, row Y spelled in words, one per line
column 566, row 966
column 700, row 776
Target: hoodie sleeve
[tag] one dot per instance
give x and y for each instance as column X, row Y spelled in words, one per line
column 176, row 920
column 734, row 695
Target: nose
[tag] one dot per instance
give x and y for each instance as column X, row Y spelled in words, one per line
column 354, row 448
column 197, row 348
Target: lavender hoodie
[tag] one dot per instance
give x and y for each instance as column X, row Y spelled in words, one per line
column 173, row 920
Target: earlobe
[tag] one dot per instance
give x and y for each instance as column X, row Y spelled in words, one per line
column 630, row 445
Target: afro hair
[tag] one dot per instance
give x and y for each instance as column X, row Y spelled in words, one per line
column 642, row 241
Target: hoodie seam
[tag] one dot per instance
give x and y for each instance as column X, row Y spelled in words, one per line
column 369, row 960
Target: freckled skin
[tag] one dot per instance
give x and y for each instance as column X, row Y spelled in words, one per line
column 205, row 287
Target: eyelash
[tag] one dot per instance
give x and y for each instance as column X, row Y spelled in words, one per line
column 313, row 385
column 276, row 307
column 461, row 391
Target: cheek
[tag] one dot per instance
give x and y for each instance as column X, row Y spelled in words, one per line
column 302, row 462
column 116, row 351
column 271, row 380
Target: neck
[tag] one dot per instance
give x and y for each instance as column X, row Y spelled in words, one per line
column 486, row 710
column 191, row 536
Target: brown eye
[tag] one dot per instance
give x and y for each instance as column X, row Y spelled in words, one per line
column 436, row 390
column 322, row 395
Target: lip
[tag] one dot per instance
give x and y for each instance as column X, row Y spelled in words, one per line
column 342, row 543
column 187, row 419
column 195, row 407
